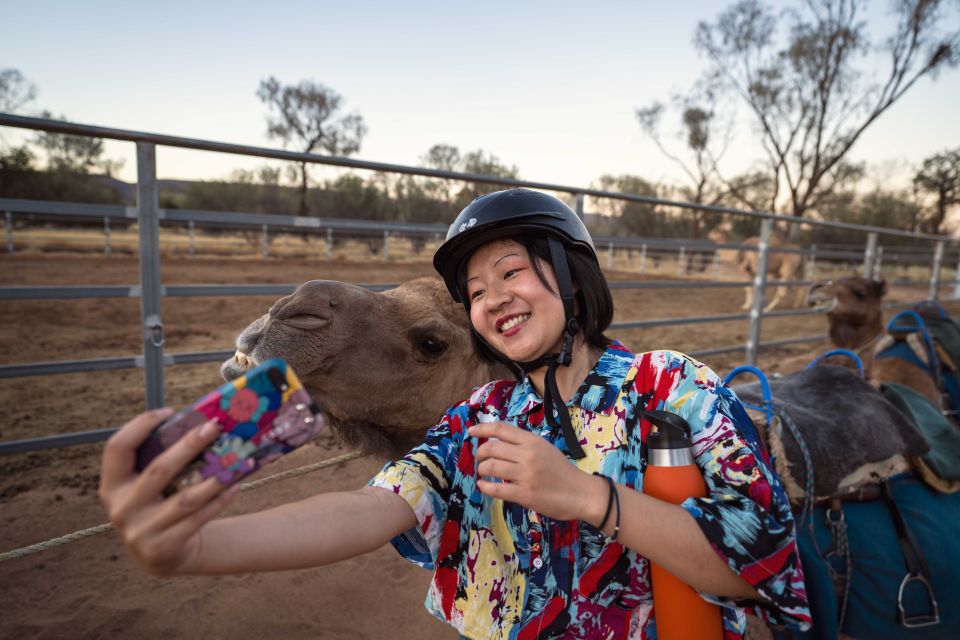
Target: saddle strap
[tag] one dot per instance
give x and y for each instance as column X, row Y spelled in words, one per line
column 917, row 568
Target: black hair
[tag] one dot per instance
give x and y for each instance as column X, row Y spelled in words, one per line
column 593, row 301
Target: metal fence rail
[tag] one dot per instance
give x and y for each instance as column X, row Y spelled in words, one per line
column 150, row 216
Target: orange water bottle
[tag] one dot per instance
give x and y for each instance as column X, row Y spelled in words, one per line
column 672, row 475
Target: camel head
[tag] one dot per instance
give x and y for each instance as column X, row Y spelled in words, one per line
column 853, row 308
column 383, row 367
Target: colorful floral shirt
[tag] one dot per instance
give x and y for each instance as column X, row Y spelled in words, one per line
column 503, row 571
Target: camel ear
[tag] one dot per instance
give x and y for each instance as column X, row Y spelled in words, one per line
column 880, row 287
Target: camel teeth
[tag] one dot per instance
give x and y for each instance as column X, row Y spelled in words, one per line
column 243, row 359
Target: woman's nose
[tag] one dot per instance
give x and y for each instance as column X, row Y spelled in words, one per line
column 497, row 296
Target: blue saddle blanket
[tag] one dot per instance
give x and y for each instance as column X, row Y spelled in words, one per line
column 878, row 566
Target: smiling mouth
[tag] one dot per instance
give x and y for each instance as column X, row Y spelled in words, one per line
column 512, row 322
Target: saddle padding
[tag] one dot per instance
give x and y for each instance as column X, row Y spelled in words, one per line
column 878, row 566
column 844, row 422
column 944, row 439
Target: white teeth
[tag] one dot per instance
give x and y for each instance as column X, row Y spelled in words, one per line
column 243, row 359
column 514, row 321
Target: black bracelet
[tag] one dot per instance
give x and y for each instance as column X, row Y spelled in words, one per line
column 606, row 514
column 616, row 497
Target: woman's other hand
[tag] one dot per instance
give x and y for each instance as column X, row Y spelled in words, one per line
column 535, row 474
column 163, row 534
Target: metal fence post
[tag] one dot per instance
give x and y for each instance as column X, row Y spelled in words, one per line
column 190, row 226
column 579, row 205
column 956, row 279
column 148, row 215
column 870, row 254
column 610, row 255
column 329, row 243
column 878, row 263
column 811, row 271
column 386, row 246
column 9, row 217
column 643, row 258
column 266, row 242
column 759, row 284
column 106, row 236
column 934, row 291
column 682, row 261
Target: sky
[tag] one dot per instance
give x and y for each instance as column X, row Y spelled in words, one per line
column 550, row 87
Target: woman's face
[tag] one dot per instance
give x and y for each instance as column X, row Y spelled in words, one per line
column 509, row 306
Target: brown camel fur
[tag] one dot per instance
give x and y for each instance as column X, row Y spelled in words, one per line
column 383, row 366
column 781, row 265
column 853, row 306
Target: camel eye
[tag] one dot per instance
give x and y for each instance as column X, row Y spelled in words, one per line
column 432, row 346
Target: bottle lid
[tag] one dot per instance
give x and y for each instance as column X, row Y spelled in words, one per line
column 670, row 431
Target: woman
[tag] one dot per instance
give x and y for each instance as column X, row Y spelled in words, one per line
column 525, row 498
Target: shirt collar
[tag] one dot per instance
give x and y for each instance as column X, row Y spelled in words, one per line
column 598, row 391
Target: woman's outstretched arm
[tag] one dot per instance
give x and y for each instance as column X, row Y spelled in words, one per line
column 178, row 534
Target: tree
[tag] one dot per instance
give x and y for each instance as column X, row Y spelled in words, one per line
column 308, row 116
column 634, row 218
column 15, row 90
column 485, row 164
column 74, row 154
column 444, row 157
column 704, row 147
column 810, row 95
column 940, row 175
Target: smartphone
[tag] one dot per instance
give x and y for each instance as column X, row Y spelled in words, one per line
column 263, row 415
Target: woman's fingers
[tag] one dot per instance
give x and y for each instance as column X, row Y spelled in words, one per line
column 120, row 452
column 501, row 431
column 165, row 467
column 186, row 502
column 497, row 468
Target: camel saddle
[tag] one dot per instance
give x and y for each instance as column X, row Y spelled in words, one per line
column 928, row 339
column 866, row 525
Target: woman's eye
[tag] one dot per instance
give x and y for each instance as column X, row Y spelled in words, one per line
column 511, row 273
column 476, row 294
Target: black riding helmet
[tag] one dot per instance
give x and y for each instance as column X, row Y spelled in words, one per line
column 517, row 212
column 506, row 213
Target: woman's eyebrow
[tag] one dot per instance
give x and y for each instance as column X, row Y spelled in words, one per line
column 496, row 263
column 505, row 256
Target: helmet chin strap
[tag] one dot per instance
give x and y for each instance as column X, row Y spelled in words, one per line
column 554, row 408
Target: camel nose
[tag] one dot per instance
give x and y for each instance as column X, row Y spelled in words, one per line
column 315, row 298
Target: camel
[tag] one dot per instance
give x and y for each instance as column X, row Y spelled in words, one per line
column 854, row 311
column 781, row 265
column 384, row 366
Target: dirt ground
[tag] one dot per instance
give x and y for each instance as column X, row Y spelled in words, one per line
column 89, row 588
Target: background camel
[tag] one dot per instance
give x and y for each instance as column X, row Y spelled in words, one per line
column 384, row 366
column 781, row 265
column 855, row 313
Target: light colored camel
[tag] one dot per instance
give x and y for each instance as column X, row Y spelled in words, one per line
column 383, row 366
column 782, row 265
column 855, row 313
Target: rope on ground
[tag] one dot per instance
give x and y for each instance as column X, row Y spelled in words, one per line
column 247, row 486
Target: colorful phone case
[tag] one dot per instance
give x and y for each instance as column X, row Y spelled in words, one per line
column 263, row 415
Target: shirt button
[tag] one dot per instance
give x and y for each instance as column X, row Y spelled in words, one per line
column 537, row 563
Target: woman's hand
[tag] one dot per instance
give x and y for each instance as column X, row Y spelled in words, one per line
column 163, row 534
column 535, row 474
